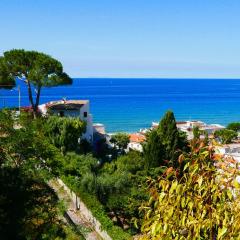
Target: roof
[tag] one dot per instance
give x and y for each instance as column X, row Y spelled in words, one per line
column 213, row 126
column 66, row 104
column 181, row 122
column 136, row 137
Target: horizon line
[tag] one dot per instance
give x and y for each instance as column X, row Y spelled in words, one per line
column 162, row 78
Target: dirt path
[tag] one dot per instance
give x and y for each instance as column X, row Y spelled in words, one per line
column 73, row 215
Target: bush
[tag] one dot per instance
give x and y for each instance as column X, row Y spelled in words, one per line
column 64, row 132
column 202, row 204
column 225, row 135
column 235, row 126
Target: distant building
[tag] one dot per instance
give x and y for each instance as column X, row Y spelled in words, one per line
column 71, row 108
column 136, row 140
column 99, row 137
column 229, row 150
column 187, row 127
column 99, row 128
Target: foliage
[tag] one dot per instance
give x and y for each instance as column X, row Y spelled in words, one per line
column 85, row 147
column 199, row 205
column 112, row 190
column 99, row 212
column 80, row 167
column 172, row 141
column 153, row 150
column 235, row 126
column 120, row 141
column 102, row 150
column 64, row 132
column 132, row 162
column 34, row 68
column 25, row 145
column 165, row 144
column 118, row 186
column 28, row 207
column 196, row 132
column 6, row 81
column 225, row 135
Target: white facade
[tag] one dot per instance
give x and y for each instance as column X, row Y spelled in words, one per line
column 135, row 141
column 135, row 146
column 229, row 150
column 187, row 127
column 99, row 128
column 72, row 108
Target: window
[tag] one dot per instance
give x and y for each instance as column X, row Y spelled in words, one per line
column 85, row 114
column 61, row 113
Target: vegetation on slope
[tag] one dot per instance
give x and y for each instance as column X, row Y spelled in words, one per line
column 181, row 181
column 29, row 209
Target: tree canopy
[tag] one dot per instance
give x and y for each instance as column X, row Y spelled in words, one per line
column 225, row 135
column 235, row 126
column 164, row 144
column 153, row 150
column 171, row 139
column 120, row 140
column 29, row 209
column 36, row 69
column 64, row 132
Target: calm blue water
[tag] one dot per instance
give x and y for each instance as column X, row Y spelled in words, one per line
column 131, row 104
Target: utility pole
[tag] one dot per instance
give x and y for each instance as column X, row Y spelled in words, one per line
column 19, row 98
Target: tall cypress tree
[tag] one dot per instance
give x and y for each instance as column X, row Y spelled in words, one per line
column 153, row 150
column 164, row 145
column 170, row 137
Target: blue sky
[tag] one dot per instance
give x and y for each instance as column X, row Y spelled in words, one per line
column 128, row 38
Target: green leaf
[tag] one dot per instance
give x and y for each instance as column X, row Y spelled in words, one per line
column 186, row 166
column 173, row 187
column 221, row 232
column 230, row 195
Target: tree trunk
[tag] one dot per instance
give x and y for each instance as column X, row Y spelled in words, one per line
column 35, row 110
column 34, row 106
column 30, row 96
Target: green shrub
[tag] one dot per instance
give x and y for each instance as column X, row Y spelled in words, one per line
column 235, row 126
column 64, row 132
column 226, row 136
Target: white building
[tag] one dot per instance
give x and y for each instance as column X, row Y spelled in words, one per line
column 71, row 108
column 99, row 128
column 229, row 150
column 135, row 142
column 187, row 127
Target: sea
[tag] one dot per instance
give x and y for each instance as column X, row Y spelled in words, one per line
column 131, row 104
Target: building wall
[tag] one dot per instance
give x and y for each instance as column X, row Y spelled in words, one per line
column 80, row 113
column 88, row 119
column 230, row 150
column 135, row 146
column 66, row 113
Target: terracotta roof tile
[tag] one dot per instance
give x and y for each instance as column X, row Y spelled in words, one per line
column 135, row 137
